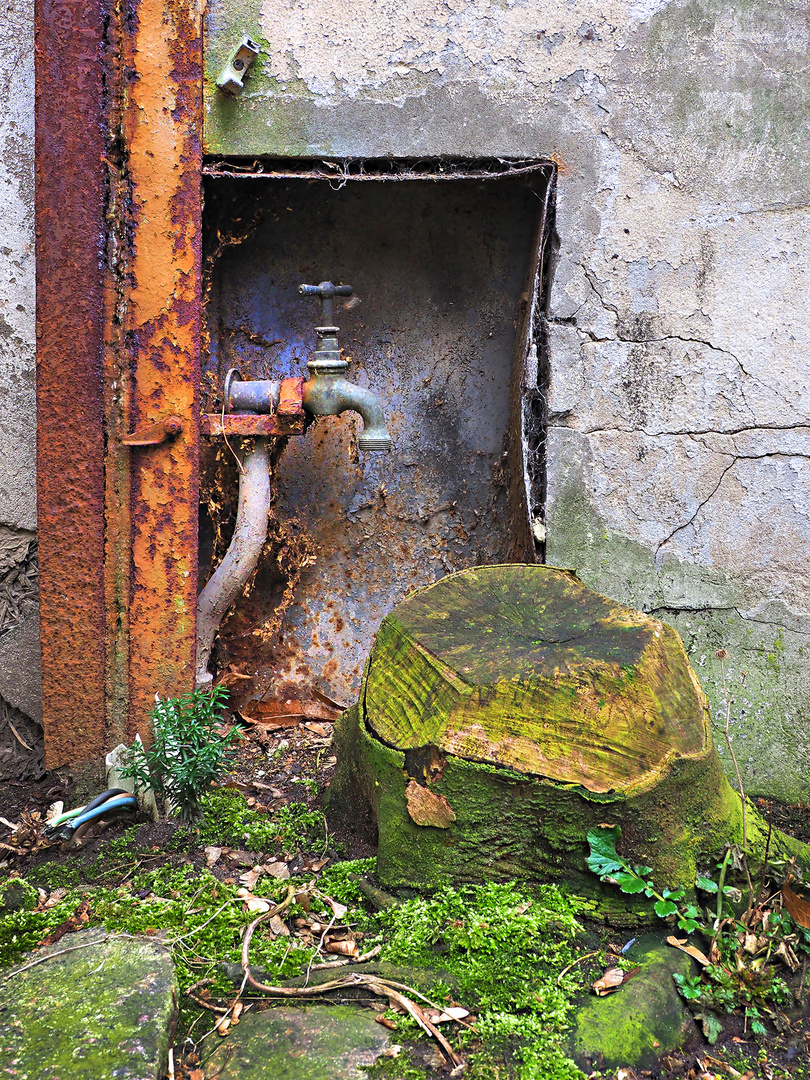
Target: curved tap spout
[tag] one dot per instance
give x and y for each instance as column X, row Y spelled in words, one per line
column 327, row 394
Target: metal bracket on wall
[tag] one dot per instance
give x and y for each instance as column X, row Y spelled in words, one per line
column 237, row 66
column 154, row 434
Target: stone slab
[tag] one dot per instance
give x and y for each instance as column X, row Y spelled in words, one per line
column 643, row 1020
column 320, row 1042
column 104, row 1009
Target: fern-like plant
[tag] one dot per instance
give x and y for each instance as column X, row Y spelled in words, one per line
column 187, row 753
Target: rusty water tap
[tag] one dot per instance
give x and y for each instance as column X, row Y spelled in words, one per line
column 327, row 392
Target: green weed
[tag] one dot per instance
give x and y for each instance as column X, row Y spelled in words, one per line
column 738, row 973
column 187, row 754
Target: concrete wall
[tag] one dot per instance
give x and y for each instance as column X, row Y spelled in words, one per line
column 678, row 318
column 19, row 643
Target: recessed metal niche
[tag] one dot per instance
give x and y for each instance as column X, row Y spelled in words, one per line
column 448, row 262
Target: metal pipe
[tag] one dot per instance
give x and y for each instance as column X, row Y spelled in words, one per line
column 241, row 558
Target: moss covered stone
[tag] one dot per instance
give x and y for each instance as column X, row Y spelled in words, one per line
column 103, row 1009
column 318, row 1042
column 642, row 1021
column 532, row 709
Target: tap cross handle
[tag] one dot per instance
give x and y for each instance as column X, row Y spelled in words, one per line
column 326, row 291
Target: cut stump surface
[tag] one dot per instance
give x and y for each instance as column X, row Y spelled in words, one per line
column 523, row 666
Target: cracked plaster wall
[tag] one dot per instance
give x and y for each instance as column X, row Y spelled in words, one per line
column 20, row 691
column 679, row 312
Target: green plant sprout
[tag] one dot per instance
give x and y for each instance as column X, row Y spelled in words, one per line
column 607, row 864
column 738, row 969
column 188, row 753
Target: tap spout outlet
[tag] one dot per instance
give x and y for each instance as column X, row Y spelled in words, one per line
column 328, row 392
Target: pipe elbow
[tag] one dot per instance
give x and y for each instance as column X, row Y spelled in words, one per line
column 324, row 396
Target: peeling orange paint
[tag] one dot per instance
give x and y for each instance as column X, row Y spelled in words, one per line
column 162, row 126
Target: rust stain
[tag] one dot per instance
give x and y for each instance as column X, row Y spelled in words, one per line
column 162, row 128
column 70, row 127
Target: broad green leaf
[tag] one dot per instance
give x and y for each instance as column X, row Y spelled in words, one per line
column 663, row 908
column 706, row 884
column 603, row 859
column 629, row 882
column 712, row 1028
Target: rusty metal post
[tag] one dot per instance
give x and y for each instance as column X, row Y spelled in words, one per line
column 70, row 229
column 118, row 208
column 163, row 137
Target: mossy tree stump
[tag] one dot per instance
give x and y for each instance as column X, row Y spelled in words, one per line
column 505, row 710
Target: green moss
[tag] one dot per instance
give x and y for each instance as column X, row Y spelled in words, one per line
column 103, row 1010
column 504, row 948
column 227, row 819
column 17, row 895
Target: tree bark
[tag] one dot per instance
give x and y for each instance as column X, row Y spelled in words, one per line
column 505, row 711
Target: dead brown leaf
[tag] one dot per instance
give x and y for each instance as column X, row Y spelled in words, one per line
column 315, row 865
column 233, row 676
column 427, row 808
column 609, row 983
column 318, row 729
column 798, row 909
column 285, row 713
column 76, row 921
column 278, row 870
column 386, row 1022
column 690, row 950
column 212, row 855
column 250, row 877
column 342, row 948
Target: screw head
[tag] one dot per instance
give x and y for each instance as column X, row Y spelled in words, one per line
column 239, row 64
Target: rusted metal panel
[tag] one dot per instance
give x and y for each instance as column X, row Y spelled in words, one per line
column 70, row 205
column 445, row 274
column 154, row 434
column 162, row 129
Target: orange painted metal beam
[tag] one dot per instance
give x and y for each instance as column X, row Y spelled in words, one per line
column 162, row 127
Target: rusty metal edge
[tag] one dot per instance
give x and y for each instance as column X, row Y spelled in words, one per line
column 438, row 170
column 526, row 463
column 162, row 129
column 251, row 424
column 70, row 230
